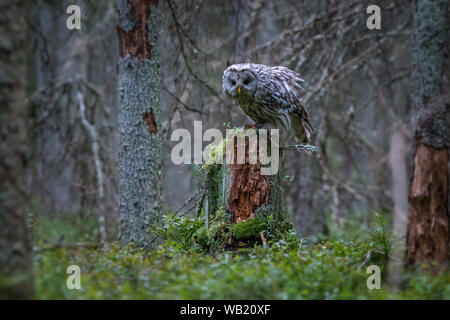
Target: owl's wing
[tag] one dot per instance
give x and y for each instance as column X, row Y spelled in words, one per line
column 280, row 90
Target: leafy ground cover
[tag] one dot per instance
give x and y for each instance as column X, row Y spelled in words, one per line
column 289, row 268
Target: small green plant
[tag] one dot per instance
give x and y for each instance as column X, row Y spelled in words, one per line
column 380, row 234
column 381, row 237
column 180, row 231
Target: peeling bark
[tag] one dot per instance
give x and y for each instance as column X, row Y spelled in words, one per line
column 149, row 119
column 249, row 190
column 243, row 193
column 428, row 233
column 428, row 216
column 133, row 28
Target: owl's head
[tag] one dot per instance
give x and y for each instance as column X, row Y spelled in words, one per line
column 239, row 80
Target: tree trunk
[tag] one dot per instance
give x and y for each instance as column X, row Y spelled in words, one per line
column 65, row 160
column 238, row 194
column 16, row 279
column 140, row 140
column 428, row 229
column 397, row 163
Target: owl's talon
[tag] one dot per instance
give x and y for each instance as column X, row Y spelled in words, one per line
column 249, row 126
column 301, row 147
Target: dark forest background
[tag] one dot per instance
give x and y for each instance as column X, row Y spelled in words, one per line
column 359, row 90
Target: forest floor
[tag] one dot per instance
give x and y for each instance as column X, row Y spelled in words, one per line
column 289, row 269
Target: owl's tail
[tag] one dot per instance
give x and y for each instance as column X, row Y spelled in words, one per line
column 302, row 127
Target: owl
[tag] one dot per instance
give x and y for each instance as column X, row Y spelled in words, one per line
column 269, row 95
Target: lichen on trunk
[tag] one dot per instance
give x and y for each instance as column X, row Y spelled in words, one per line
column 242, row 203
column 428, row 232
column 140, row 140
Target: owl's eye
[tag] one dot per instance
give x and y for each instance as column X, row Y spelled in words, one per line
column 246, row 81
column 233, row 82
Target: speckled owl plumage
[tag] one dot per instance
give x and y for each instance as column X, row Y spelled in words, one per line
column 269, row 95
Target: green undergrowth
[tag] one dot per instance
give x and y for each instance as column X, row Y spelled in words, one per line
column 192, row 234
column 180, row 268
column 67, row 228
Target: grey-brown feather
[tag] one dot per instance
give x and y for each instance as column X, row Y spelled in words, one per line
column 275, row 99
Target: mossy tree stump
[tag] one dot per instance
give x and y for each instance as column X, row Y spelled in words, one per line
column 242, row 206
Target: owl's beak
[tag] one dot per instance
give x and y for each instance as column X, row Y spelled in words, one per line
column 239, row 91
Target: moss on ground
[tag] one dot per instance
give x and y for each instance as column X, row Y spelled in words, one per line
column 249, row 229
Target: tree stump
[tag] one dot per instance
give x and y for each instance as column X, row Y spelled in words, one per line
column 242, row 205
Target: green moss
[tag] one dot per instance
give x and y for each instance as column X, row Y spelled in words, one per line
column 213, row 176
column 201, row 236
column 216, row 153
column 192, row 234
column 219, row 235
column 249, row 228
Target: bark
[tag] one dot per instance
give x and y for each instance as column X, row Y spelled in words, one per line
column 249, row 190
column 428, row 233
column 428, row 216
column 140, row 140
column 243, row 193
column 16, row 279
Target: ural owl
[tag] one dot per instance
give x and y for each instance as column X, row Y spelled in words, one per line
column 269, row 95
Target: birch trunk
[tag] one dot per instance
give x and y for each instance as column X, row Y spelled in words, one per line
column 397, row 163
